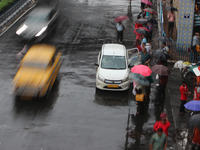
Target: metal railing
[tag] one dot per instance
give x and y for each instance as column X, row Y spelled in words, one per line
column 12, row 11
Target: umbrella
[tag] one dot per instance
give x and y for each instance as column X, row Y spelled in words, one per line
column 120, row 18
column 160, row 70
column 194, row 120
column 140, row 31
column 160, row 55
column 163, row 39
column 150, row 10
column 193, row 105
column 142, row 21
column 141, row 69
column 140, row 79
column 146, row 2
column 171, row 8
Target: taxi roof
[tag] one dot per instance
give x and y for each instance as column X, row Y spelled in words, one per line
column 40, row 53
column 113, row 49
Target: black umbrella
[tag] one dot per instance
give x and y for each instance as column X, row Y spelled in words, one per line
column 163, row 39
column 142, row 21
column 150, row 19
column 194, row 120
column 171, row 8
column 160, row 55
column 142, row 31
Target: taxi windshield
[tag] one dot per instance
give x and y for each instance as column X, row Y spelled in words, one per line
column 113, row 62
column 35, row 65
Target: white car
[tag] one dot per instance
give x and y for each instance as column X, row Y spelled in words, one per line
column 114, row 63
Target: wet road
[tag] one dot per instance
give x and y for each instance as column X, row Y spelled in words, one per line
column 75, row 116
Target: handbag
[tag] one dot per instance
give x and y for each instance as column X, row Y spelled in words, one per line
column 139, row 97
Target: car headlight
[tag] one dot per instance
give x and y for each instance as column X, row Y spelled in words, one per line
column 41, row 31
column 20, row 30
column 100, row 78
column 126, row 79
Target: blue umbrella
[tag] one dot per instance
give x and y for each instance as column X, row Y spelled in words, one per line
column 140, row 79
column 193, row 105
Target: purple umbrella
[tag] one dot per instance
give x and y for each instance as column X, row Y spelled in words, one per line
column 193, row 105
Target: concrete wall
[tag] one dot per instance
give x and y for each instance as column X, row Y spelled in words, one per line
column 184, row 20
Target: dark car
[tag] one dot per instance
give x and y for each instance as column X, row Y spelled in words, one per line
column 39, row 23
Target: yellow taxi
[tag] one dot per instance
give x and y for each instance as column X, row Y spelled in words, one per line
column 37, row 72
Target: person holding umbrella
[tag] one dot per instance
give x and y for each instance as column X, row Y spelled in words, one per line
column 120, row 30
column 139, row 97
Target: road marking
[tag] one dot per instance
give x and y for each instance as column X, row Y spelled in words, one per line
column 74, row 41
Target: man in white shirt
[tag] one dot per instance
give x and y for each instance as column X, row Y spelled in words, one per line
column 120, row 29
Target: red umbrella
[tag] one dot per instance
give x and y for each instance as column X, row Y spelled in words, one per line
column 150, row 10
column 120, row 18
column 142, row 69
column 146, row 2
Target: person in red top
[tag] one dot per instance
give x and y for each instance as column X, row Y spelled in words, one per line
column 163, row 123
column 184, row 93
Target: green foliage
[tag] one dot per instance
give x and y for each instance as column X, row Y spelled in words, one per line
column 5, row 4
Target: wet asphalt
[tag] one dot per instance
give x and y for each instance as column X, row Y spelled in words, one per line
column 76, row 116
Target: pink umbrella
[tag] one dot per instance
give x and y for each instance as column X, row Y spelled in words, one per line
column 150, row 10
column 120, row 18
column 142, row 69
column 146, row 2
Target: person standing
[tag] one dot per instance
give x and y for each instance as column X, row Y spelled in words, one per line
column 171, row 20
column 150, row 29
column 197, row 21
column 195, row 42
column 144, row 40
column 145, row 57
column 165, row 48
column 158, row 141
column 184, row 93
column 196, row 139
column 120, row 30
column 163, row 123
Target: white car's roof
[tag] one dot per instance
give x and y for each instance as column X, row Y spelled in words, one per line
column 113, row 49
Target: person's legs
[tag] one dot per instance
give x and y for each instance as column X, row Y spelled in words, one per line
column 182, row 106
column 170, row 26
column 121, row 36
column 194, row 146
column 163, row 92
column 118, row 35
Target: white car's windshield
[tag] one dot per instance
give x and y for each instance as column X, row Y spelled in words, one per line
column 113, row 62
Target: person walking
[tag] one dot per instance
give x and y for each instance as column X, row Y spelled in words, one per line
column 158, row 141
column 196, row 139
column 139, row 97
column 120, row 30
column 171, row 20
column 184, row 93
column 163, row 123
column 145, row 57
column 161, row 91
